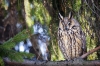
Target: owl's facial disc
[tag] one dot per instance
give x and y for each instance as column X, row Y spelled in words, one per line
column 67, row 23
column 67, row 27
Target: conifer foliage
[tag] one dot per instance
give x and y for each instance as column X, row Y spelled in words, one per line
column 6, row 48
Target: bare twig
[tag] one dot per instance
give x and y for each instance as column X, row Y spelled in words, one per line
column 90, row 52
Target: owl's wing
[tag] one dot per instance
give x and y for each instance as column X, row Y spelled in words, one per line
column 83, row 37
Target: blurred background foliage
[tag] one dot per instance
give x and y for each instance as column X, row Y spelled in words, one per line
column 87, row 12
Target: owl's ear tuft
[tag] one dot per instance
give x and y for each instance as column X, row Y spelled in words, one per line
column 60, row 16
column 70, row 15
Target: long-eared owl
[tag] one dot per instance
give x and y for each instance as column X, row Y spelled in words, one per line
column 71, row 38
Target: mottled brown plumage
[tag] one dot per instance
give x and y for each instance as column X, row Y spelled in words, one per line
column 71, row 38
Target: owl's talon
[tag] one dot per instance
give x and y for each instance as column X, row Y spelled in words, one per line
column 78, row 60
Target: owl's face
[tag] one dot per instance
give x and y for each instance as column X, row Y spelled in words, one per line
column 69, row 23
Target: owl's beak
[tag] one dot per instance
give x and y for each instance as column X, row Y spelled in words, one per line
column 66, row 28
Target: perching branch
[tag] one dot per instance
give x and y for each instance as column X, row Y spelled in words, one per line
column 52, row 63
column 75, row 62
column 90, row 52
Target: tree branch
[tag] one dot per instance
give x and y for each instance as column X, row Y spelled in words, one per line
column 90, row 52
column 52, row 63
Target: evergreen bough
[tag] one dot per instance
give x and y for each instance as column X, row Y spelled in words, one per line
column 7, row 51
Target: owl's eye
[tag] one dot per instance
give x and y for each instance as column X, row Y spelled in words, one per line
column 69, row 23
column 74, row 27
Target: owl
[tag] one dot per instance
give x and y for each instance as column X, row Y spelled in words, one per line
column 71, row 38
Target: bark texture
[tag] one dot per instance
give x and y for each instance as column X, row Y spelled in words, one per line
column 75, row 62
